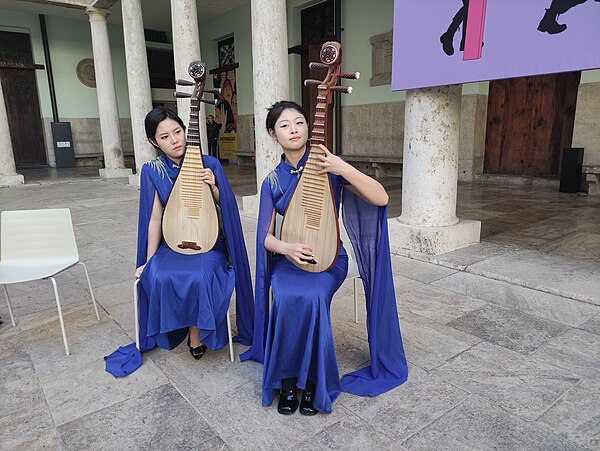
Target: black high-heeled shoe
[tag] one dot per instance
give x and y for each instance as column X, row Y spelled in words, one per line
column 198, row 351
column 288, row 402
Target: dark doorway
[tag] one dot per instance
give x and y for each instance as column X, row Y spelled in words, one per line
column 17, row 74
column 317, row 27
column 530, row 120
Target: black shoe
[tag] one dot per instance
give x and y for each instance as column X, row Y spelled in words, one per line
column 306, row 405
column 198, row 351
column 288, row 402
column 446, row 39
column 549, row 25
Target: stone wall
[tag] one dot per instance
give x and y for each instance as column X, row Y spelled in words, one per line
column 587, row 122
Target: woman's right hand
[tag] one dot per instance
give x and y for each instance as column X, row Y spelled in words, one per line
column 298, row 253
column 138, row 271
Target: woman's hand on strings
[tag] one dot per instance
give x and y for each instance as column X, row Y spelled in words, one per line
column 207, row 176
column 298, row 253
column 332, row 163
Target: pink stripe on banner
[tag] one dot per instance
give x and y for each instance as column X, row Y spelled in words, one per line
column 474, row 34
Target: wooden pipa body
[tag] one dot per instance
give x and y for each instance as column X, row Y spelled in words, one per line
column 190, row 222
column 311, row 216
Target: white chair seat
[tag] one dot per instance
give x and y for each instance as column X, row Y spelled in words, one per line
column 38, row 244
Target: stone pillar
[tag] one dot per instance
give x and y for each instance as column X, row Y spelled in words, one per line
column 8, row 170
column 114, row 161
column 186, row 48
column 138, row 82
column 271, row 82
column 428, row 223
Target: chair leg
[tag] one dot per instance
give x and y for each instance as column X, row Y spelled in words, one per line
column 356, row 300
column 135, row 313
column 90, row 287
column 12, row 317
column 60, row 315
column 229, row 333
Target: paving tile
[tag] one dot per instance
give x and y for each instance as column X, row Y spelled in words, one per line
column 86, row 388
column 242, row 422
column 593, row 325
column 401, row 412
column 577, row 351
column 429, row 344
column 477, row 425
column 86, row 345
column 436, row 303
column 520, row 385
column 508, row 327
column 544, row 305
column 158, row 419
column 576, row 416
column 11, row 342
column 421, row 271
column 350, row 433
column 210, row 376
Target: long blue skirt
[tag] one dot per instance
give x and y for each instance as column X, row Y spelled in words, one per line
column 188, row 290
column 299, row 336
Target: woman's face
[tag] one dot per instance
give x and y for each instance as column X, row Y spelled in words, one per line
column 227, row 91
column 170, row 137
column 291, row 130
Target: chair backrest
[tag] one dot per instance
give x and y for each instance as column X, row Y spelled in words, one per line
column 352, row 265
column 43, row 235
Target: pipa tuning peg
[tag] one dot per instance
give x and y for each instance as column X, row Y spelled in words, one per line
column 351, row 75
column 342, row 89
column 214, row 102
column 181, row 95
column 318, row 66
column 216, row 91
column 181, row 82
column 309, row 82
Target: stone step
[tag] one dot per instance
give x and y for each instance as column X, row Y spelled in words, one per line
column 549, row 286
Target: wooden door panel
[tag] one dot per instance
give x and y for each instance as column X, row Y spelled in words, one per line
column 530, row 120
column 24, row 118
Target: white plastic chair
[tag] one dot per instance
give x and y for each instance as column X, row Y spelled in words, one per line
column 353, row 273
column 38, row 244
column 137, row 325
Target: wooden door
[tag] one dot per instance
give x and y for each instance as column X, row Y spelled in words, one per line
column 530, row 120
column 17, row 75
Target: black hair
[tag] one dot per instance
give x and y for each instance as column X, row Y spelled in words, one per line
column 276, row 110
column 155, row 117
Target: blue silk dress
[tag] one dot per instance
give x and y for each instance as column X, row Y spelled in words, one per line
column 294, row 338
column 177, row 291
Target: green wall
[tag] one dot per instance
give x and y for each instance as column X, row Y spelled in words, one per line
column 69, row 42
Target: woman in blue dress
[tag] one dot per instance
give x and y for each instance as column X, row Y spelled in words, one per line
column 293, row 338
column 185, row 295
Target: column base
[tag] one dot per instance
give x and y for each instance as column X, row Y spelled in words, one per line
column 432, row 240
column 115, row 173
column 11, row 180
column 134, row 180
column 250, row 205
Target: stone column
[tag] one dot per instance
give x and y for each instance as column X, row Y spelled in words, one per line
column 428, row 223
column 271, row 82
column 114, row 161
column 8, row 170
column 138, row 82
column 186, row 48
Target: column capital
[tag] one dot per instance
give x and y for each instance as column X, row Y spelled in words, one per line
column 97, row 13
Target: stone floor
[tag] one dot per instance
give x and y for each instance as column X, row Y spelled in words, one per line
column 503, row 340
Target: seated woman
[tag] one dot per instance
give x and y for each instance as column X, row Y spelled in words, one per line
column 184, row 295
column 294, row 338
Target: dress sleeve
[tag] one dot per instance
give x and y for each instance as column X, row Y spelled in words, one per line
column 147, row 193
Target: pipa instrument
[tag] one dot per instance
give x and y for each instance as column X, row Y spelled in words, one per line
column 311, row 215
column 190, row 224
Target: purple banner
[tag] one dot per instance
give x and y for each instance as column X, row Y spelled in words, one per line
column 442, row 42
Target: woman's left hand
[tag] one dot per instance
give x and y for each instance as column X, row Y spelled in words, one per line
column 332, row 163
column 207, row 176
